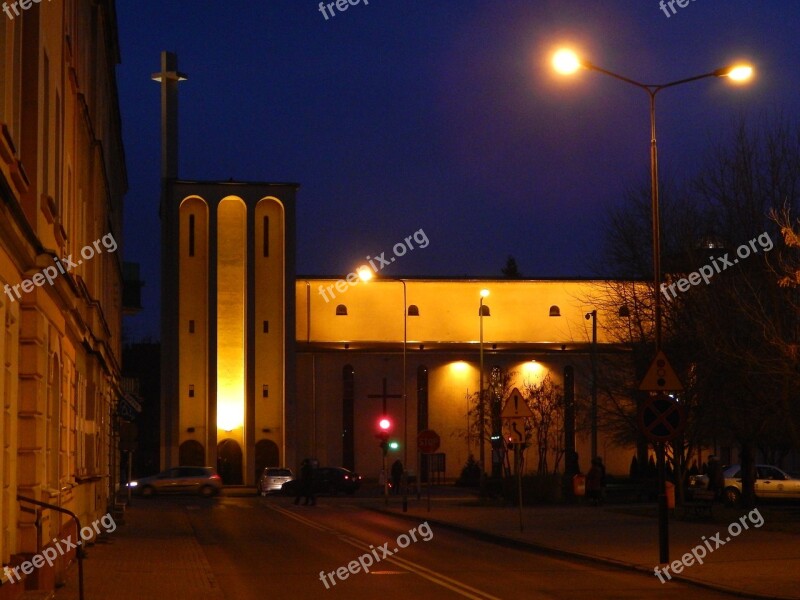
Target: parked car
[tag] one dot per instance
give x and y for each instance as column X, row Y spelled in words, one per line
column 272, row 479
column 327, row 480
column 771, row 483
column 180, row 480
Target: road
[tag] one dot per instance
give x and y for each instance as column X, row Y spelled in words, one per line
column 269, row 548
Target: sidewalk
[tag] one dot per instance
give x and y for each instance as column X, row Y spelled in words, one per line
column 754, row 564
column 153, row 555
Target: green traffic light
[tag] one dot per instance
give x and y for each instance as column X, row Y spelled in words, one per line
column 394, row 445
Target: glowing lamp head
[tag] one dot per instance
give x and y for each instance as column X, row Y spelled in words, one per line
column 566, row 62
column 740, row 73
column 364, row 273
column 484, row 293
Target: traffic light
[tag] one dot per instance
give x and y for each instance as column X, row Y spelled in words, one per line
column 385, row 427
column 394, row 445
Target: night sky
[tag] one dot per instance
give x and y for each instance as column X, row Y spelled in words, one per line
column 441, row 115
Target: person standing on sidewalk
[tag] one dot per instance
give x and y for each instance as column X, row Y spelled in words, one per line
column 595, row 481
column 397, row 474
column 716, row 478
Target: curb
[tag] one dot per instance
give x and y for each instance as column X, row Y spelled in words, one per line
column 507, row 542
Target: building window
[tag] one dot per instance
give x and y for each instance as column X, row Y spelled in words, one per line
column 265, row 391
column 265, row 327
column 413, row 310
column 191, row 325
column 266, row 237
column 555, row 311
column 191, row 390
column 484, row 311
column 341, row 310
column 191, row 235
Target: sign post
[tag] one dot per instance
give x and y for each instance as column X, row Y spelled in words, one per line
column 660, row 419
column 514, row 414
column 428, row 442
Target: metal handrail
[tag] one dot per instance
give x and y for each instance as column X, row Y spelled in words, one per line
column 79, row 551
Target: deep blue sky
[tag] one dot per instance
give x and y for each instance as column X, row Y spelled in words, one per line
column 441, row 115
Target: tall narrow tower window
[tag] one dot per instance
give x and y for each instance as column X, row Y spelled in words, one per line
column 191, row 235
column 266, row 237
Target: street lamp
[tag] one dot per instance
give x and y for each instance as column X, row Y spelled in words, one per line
column 593, row 316
column 481, row 408
column 568, row 62
column 365, row 274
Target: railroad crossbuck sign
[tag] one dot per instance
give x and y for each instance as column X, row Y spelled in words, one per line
column 661, row 418
column 661, row 376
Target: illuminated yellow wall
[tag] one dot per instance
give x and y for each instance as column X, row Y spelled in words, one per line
column 193, row 306
column 448, row 326
column 269, row 308
column 520, row 311
column 231, row 305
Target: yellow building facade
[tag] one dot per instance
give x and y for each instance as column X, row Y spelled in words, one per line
column 62, row 180
column 423, row 336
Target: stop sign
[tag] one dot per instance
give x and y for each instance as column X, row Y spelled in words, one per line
column 428, row 441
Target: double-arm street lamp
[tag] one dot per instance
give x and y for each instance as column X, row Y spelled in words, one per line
column 568, row 62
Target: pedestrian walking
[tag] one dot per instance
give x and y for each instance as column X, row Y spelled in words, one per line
column 397, row 474
column 306, row 487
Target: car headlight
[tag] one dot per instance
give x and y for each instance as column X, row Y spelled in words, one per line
column 132, row 484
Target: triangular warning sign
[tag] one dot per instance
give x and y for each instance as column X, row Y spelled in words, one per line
column 515, row 406
column 661, row 376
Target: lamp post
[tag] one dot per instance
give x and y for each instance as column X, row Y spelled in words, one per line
column 593, row 316
column 567, row 62
column 365, row 274
column 481, row 407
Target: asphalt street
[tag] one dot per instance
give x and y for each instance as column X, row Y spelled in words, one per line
column 267, row 547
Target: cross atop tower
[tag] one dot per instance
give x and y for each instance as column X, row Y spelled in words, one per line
column 169, row 78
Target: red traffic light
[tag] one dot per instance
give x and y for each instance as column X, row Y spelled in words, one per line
column 384, row 424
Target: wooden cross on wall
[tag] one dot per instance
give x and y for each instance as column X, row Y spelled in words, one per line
column 384, row 396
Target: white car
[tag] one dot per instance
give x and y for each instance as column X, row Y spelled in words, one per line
column 272, row 479
column 771, row 484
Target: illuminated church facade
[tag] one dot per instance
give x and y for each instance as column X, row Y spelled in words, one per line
column 259, row 368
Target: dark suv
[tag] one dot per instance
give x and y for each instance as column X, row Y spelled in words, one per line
column 327, row 480
column 180, row 480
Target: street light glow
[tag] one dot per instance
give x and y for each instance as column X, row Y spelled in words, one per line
column 364, row 273
column 740, row 72
column 484, row 293
column 566, row 62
